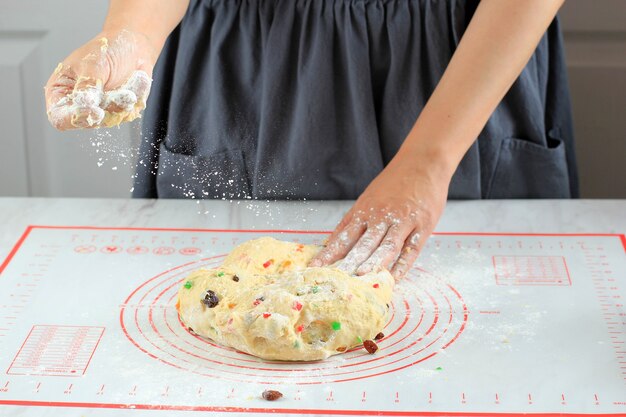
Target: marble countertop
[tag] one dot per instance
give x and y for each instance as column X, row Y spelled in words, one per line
column 495, row 216
column 515, row 216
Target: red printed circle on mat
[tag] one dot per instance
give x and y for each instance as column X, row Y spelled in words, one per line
column 85, row 249
column 425, row 320
column 163, row 250
column 190, row 251
column 137, row 250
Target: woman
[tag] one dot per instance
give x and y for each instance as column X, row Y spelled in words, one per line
column 398, row 103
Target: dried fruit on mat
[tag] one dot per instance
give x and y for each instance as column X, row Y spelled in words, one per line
column 271, row 395
column 370, row 346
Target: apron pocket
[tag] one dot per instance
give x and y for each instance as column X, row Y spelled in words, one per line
column 220, row 175
column 528, row 170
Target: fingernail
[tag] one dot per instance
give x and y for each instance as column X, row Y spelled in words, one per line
column 363, row 269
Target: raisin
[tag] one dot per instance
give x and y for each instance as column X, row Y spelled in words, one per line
column 271, row 395
column 379, row 336
column 341, row 349
column 210, row 299
column 370, row 346
column 191, row 330
column 235, row 278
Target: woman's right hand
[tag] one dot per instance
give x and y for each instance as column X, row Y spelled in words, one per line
column 103, row 83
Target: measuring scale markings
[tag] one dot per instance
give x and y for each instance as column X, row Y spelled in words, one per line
column 610, row 300
column 56, row 350
column 420, row 336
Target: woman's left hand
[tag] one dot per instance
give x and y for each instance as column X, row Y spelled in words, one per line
column 391, row 220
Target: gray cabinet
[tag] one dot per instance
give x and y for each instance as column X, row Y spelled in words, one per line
column 36, row 160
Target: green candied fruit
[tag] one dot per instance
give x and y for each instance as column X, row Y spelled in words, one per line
column 220, row 274
column 439, row 368
column 296, row 344
column 188, row 284
column 358, row 338
column 315, row 289
column 336, row 325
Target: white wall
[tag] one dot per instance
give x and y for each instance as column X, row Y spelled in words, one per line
column 36, row 160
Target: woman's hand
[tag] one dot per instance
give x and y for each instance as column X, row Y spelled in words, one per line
column 391, row 220
column 103, row 83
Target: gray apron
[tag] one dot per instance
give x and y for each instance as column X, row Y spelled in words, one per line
column 292, row 99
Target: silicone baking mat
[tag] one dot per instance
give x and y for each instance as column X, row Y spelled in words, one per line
column 485, row 324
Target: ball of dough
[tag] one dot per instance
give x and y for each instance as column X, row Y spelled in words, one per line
column 284, row 310
column 267, row 255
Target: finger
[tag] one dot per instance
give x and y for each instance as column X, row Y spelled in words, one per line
column 388, row 249
column 88, row 93
column 133, row 93
column 60, row 114
column 57, row 91
column 343, row 223
column 410, row 251
column 339, row 244
column 60, row 84
column 364, row 247
column 87, row 98
column 86, row 117
column 119, row 100
column 139, row 83
column 346, row 220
